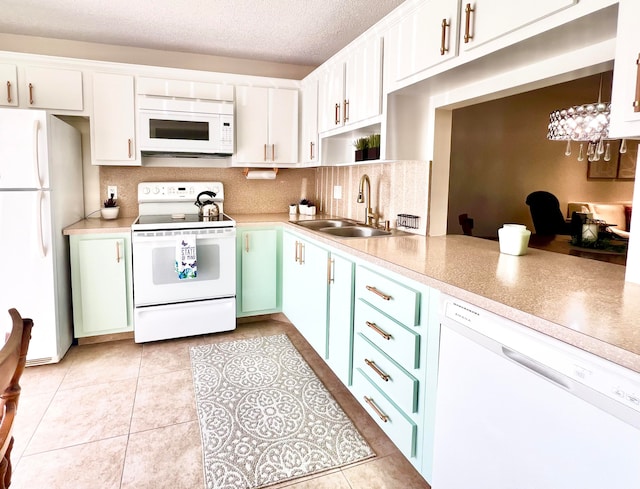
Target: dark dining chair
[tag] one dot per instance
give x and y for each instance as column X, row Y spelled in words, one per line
column 13, row 357
column 546, row 214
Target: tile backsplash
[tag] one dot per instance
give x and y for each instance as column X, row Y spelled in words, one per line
column 396, row 188
column 242, row 196
column 400, row 187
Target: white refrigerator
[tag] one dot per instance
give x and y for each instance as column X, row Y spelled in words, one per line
column 41, row 192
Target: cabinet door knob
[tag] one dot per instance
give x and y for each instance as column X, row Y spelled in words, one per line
column 337, row 115
column 246, row 242
column 129, row 147
column 30, row 93
column 118, row 256
column 8, row 92
column 345, row 118
column 311, row 150
column 467, row 23
column 443, row 48
column 329, row 270
column 273, row 152
column 265, row 152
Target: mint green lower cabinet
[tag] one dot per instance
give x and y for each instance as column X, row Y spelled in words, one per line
column 340, row 321
column 395, row 357
column 377, row 330
column 101, row 284
column 258, row 271
column 304, row 289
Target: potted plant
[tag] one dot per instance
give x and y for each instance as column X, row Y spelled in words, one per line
column 373, row 151
column 307, row 208
column 110, row 209
column 361, row 145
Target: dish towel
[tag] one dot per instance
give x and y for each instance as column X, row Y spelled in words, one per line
column 186, row 262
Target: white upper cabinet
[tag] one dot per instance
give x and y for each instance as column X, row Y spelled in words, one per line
column 52, row 88
column 331, row 97
column 267, row 125
column 351, row 87
column 482, row 21
column 363, row 82
column 625, row 97
column 8, row 85
column 425, row 37
column 309, row 131
column 113, row 121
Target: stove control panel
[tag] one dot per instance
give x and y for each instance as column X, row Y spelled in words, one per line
column 177, row 191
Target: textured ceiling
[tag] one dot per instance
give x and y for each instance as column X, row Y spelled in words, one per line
column 305, row 32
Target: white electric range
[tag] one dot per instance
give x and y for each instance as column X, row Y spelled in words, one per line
column 184, row 265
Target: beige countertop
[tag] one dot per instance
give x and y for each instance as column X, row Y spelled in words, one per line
column 583, row 302
column 99, row 225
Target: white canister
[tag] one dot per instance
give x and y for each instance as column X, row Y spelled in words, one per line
column 514, row 239
column 293, row 209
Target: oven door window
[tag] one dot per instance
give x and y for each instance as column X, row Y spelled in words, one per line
column 156, row 280
column 177, row 129
column 164, row 272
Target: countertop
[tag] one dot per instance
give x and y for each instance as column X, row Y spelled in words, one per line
column 582, row 302
column 585, row 303
column 99, row 225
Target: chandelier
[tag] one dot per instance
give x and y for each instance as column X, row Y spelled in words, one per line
column 587, row 124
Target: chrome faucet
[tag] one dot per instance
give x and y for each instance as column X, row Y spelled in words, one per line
column 369, row 216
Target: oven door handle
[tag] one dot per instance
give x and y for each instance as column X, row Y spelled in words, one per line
column 144, row 237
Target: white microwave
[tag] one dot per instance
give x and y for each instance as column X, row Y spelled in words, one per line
column 185, row 127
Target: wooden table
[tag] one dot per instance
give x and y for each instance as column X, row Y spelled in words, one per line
column 562, row 244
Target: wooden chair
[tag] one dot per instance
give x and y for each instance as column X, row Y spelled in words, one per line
column 13, row 357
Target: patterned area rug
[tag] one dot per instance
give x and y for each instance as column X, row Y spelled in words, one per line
column 265, row 417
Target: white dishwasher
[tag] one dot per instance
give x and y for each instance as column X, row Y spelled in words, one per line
column 516, row 409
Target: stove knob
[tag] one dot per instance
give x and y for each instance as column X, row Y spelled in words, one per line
column 146, row 190
column 156, row 190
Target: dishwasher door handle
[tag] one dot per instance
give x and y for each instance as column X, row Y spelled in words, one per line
column 534, row 366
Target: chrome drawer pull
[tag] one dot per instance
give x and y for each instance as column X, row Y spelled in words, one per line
column 385, row 297
column 370, row 402
column 377, row 370
column 382, row 333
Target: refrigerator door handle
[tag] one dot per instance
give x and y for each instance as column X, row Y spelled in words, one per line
column 43, row 250
column 36, row 156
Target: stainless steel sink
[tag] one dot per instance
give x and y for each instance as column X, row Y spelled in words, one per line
column 318, row 224
column 355, row 232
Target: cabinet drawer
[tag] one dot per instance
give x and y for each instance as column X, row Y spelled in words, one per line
column 400, row 343
column 397, row 384
column 392, row 298
column 402, row 431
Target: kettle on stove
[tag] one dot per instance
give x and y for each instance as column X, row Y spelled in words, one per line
column 207, row 208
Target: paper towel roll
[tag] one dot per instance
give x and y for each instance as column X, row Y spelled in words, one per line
column 261, row 175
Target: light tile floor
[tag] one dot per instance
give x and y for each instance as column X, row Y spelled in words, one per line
column 121, row 415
